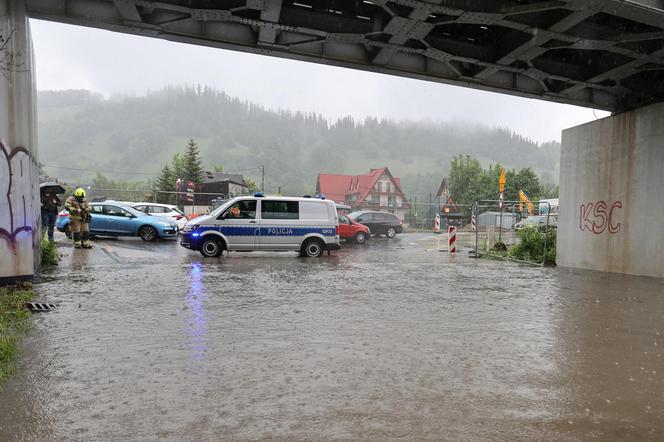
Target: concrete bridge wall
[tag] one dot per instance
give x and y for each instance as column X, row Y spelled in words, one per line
column 19, row 171
column 612, row 194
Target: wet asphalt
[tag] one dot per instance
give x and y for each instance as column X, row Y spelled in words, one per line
column 393, row 340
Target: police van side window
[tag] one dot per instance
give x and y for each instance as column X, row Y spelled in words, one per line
column 313, row 210
column 280, row 210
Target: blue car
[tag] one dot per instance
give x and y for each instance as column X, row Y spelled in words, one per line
column 114, row 219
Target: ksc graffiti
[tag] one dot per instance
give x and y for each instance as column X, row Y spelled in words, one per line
column 598, row 217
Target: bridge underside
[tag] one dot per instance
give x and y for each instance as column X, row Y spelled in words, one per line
column 606, row 54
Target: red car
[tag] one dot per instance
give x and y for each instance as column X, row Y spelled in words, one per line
column 351, row 229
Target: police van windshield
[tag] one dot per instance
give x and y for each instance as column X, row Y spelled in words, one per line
column 216, row 212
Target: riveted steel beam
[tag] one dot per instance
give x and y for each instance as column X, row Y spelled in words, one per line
column 606, row 54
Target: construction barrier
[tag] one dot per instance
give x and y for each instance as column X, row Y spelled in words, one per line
column 473, row 222
column 451, row 239
column 436, row 224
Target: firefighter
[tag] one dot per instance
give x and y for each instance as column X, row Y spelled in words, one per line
column 79, row 219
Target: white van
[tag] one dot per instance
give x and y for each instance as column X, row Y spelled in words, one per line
column 275, row 223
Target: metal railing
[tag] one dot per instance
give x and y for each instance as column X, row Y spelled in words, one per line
column 489, row 204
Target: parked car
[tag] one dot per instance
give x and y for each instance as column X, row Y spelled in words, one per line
column 538, row 221
column 113, row 219
column 379, row 223
column 274, row 223
column 350, row 229
column 166, row 210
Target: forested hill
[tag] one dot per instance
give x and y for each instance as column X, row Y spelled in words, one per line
column 82, row 130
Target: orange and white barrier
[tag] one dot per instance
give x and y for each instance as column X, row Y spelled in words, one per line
column 473, row 222
column 451, row 239
column 436, row 224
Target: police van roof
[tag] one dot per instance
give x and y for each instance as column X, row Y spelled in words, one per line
column 284, row 198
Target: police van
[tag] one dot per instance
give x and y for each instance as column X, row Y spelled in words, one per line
column 274, row 223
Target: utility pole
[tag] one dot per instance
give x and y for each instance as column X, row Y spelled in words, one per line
column 262, row 178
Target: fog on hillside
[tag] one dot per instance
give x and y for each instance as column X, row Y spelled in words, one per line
column 141, row 134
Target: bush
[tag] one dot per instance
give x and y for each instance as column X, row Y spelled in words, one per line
column 49, row 253
column 531, row 246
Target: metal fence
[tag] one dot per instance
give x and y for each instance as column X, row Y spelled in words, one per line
column 191, row 203
column 495, row 227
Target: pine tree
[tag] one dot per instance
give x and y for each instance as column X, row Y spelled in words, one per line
column 193, row 169
column 166, row 183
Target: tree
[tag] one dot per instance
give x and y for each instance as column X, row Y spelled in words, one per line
column 178, row 167
column 193, row 169
column 549, row 190
column 466, row 179
column 469, row 182
column 251, row 184
column 166, row 183
column 218, row 168
column 525, row 180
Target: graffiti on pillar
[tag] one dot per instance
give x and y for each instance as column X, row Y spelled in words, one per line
column 15, row 197
column 598, row 217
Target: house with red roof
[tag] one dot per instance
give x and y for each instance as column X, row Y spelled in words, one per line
column 376, row 190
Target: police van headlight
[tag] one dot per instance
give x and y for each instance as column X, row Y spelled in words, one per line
column 190, row 227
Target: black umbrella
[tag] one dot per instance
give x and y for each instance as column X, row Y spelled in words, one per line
column 52, row 186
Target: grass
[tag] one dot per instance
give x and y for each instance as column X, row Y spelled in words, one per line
column 49, row 253
column 13, row 322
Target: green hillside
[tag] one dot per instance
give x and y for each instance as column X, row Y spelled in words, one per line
column 82, row 130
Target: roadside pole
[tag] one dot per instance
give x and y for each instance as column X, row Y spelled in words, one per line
column 451, row 240
column 262, row 178
column 473, row 222
column 500, row 222
column 501, row 187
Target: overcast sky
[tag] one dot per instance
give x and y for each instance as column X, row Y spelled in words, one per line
column 71, row 57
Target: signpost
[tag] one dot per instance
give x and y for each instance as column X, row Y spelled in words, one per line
column 190, row 194
column 501, row 199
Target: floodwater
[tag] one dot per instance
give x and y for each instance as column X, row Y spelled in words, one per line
column 392, row 340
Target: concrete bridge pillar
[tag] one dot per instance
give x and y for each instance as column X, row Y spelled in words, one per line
column 612, row 194
column 19, row 170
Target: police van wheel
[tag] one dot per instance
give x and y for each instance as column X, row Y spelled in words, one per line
column 148, row 233
column 211, row 248
column 361, row 238
column 313, row 248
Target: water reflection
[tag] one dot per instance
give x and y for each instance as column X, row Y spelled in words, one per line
column 197, row 324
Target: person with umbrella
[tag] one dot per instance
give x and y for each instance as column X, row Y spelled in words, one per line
column 49, row 205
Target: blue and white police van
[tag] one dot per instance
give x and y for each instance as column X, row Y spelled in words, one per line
column 272, row 223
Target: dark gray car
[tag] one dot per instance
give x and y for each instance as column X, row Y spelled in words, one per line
column 379, row 223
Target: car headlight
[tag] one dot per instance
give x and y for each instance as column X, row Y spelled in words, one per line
column 163, row 224
column 190, row 227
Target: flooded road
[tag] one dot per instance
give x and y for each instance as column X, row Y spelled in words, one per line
column 392, row 340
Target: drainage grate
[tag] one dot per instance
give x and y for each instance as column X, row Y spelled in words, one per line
column 37, row 307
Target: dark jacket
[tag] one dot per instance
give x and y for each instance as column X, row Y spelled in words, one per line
column 50, row 203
